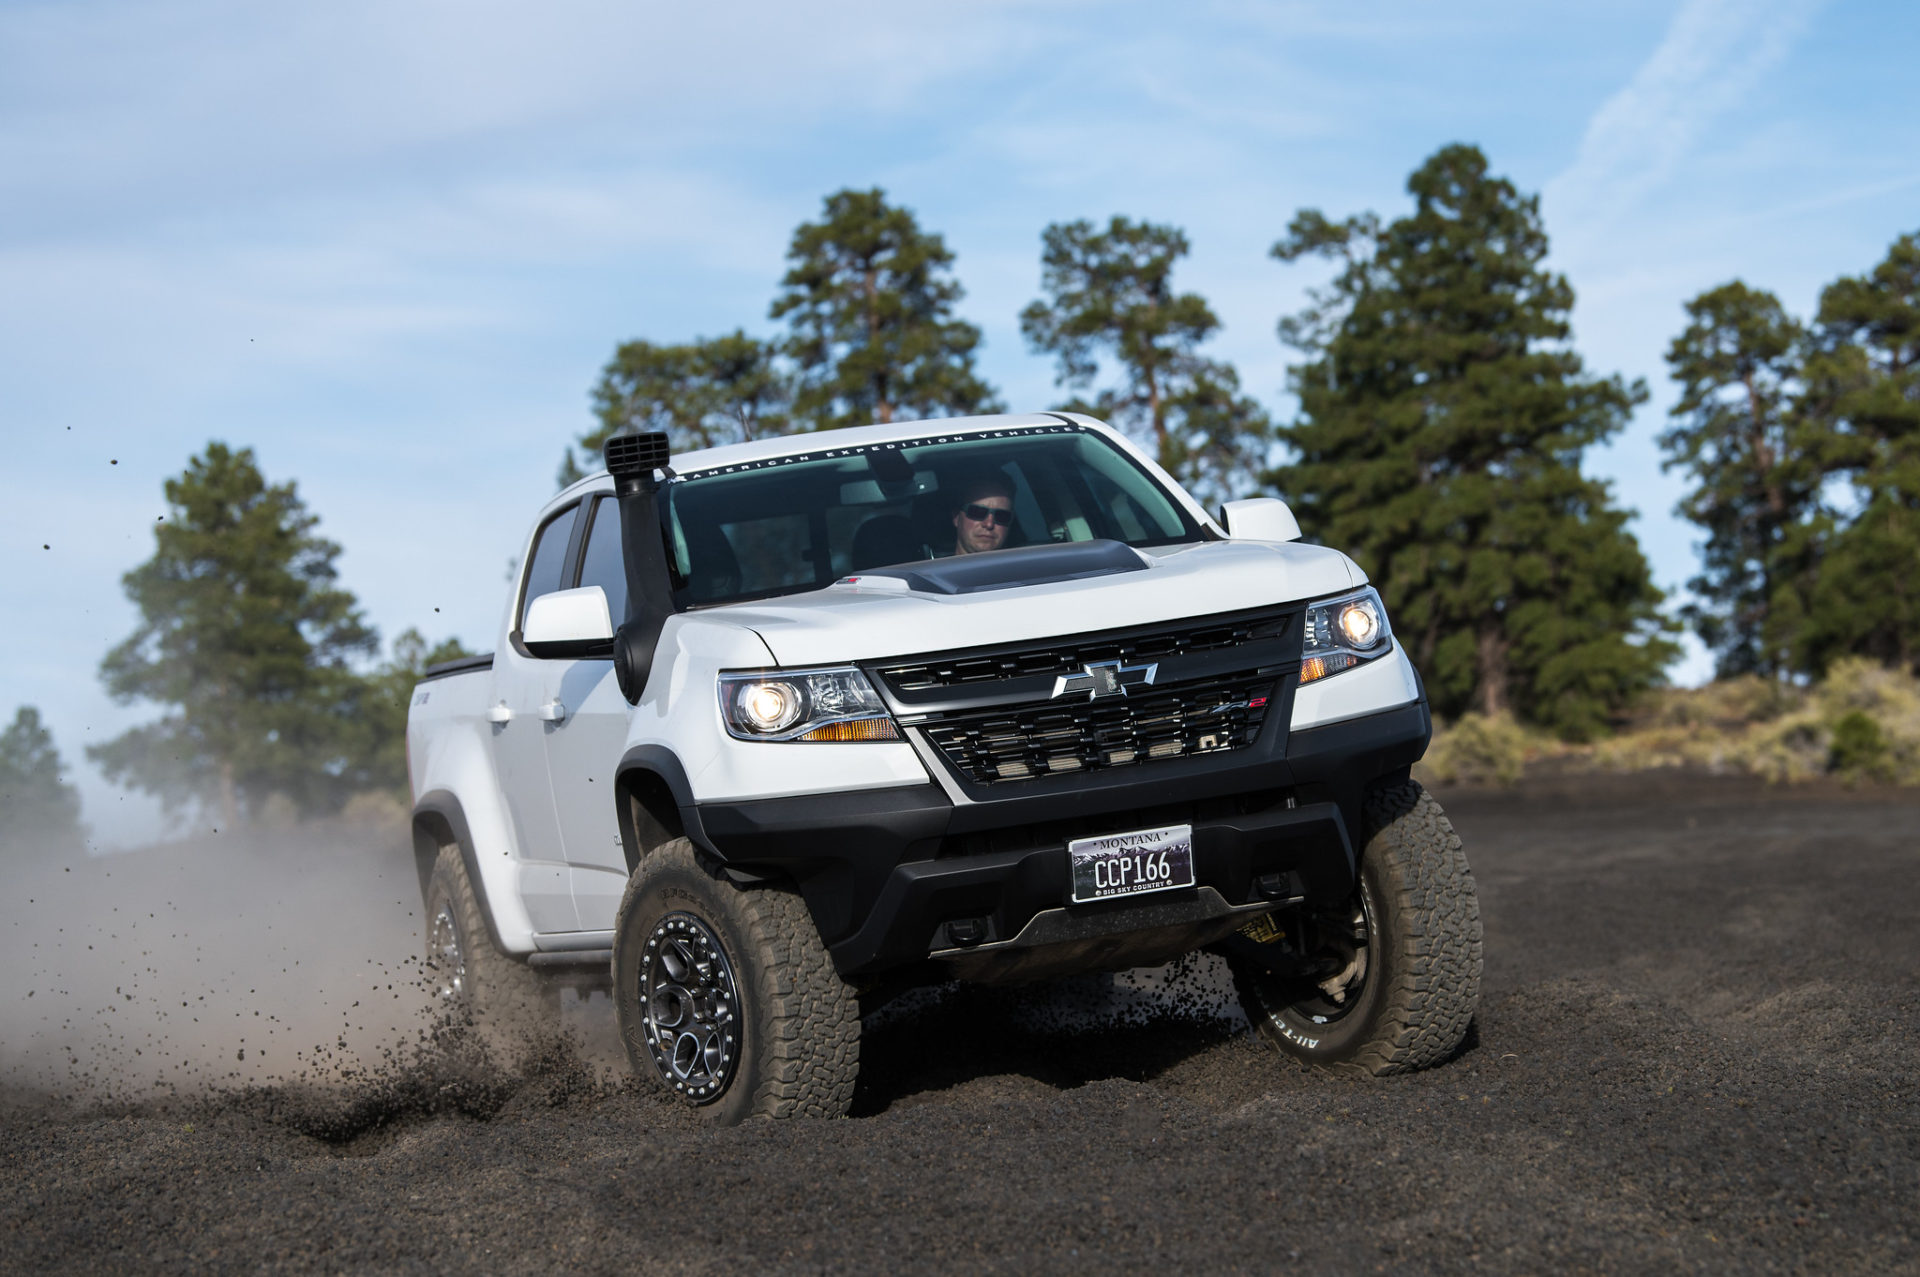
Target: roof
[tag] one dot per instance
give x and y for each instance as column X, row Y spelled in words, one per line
column 847, row 437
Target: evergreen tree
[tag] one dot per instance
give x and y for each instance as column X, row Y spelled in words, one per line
column 1865, row 383
column 1110, row 294
column 38, row 808
column 706, row 392
column 246, row 639
column 869, row 300
column 374, row 714
column 1443, row 417
column 1741, row 432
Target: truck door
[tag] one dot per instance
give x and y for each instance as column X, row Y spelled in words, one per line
column 523, row 717
column 584, row 747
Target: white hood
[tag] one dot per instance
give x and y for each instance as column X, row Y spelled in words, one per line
column 879, row 617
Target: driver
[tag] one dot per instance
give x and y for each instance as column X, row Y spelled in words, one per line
column 983, row 515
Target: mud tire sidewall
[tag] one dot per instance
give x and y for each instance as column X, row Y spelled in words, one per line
column 799, row 1023
column 1424, row 951
column 503, row 996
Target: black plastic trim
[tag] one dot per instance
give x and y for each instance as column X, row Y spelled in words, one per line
column 1341, row 761
column 598, row 959
column 1011, row 888
column 442, row 803
column 837, row 847
column 664, row 763
column 459, row 665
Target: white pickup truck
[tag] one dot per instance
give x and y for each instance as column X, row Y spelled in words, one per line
column 777, row 727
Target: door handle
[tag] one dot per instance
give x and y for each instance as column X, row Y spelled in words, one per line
column 553, row 712
column 500, row 714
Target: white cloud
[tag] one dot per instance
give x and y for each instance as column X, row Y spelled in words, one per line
column 191, row 104
column 1714, row 54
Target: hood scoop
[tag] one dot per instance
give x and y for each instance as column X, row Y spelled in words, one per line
column 1007, row 569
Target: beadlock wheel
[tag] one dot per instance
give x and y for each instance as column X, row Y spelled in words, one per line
column 725, row 994
column 691, row 1002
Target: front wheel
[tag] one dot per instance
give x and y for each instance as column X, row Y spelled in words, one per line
column 727, row 995
column 1393, row 975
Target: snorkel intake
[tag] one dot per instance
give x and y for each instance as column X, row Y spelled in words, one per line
column 632, row 461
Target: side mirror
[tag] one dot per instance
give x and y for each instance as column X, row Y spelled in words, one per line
column 1259, row 519
column 568, row 623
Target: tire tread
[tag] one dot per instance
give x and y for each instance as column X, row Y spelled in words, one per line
column 1437, row 986
column 499, row 988
column 809, row 1017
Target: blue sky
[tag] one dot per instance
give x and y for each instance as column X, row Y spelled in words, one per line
column 390, row 244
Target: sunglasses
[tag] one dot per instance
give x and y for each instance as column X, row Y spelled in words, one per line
column 981, row 513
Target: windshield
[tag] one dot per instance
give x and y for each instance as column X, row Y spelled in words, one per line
column 801, row 523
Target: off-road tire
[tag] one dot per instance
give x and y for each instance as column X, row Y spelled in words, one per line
column 1424, row 952
column 497, row 992
column 798, row 1022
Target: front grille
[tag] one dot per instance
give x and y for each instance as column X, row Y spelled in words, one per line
column 1022, row 742
column 964, row 668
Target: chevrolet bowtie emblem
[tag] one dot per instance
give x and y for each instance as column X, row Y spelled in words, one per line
column 1105, row 678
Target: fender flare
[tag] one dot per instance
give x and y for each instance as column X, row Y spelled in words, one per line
column 655, row 802
column 650, row 785
column 439, row 821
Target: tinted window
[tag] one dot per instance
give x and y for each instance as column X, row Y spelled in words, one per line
column 601, row 564
column 549, row 557
column 800, row 523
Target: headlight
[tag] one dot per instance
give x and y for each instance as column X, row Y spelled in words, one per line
column 1343, row 632
column 811, row 705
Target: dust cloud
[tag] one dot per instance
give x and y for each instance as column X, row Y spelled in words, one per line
column 292, row 956
column 270, row 955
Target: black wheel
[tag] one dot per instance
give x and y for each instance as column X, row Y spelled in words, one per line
column 1394, row 974
column 472, row 979
column 727, row 995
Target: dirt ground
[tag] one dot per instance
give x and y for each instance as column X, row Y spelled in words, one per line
column 1696, row 1050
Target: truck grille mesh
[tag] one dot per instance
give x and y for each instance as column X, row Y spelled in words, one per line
column 1051, row 738
column 962, row 669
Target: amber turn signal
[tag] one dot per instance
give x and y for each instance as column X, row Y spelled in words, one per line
column 855, row 729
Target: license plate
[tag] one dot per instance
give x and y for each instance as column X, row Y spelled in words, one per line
column 1130, row 864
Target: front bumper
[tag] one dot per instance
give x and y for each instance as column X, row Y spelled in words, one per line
column 980, row 888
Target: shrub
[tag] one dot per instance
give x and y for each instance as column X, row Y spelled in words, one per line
column 1873, row 716
column 1477, row 750
column 1859, row 748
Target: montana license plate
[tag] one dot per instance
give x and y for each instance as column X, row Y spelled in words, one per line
column 1129, row 864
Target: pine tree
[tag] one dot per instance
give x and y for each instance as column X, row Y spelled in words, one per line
column 869, row 300
column 39, row 810
column 1865, row 387
column 1110, row 295
column 1742, row 434
column 374, row 713
column 703, row 393
column 247, row 641
column 1443, row 417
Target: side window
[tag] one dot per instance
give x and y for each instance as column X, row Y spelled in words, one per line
column 602, row 563
column 549, row 557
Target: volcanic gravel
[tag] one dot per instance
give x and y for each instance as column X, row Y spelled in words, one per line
column 1695, row 1050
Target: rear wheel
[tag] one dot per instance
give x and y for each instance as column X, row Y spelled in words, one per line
column 471, row 978
column 1393, row 974
column 727, row 995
